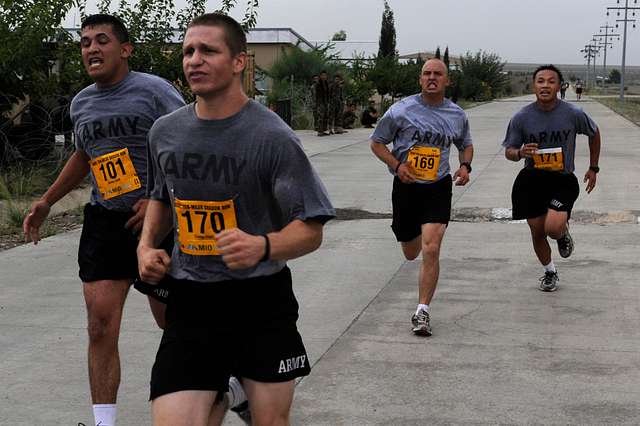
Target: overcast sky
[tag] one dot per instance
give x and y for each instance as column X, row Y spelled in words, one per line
column 517, row 30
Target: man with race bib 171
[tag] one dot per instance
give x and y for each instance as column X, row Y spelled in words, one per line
column 422, row 129
column 544, row 134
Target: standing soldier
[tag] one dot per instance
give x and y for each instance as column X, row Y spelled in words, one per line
column 312, row 96
column 336, row 105
column 322, row 103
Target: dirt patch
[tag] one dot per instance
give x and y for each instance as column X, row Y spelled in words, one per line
column 64, row 222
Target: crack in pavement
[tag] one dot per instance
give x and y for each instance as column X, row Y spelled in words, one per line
column 477, row 214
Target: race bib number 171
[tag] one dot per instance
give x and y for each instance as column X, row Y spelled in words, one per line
column 200, row 221
column 549, row 159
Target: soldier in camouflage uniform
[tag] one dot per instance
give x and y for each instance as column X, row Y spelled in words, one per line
column 336, row 105
column 322, row 103
column 312, row 98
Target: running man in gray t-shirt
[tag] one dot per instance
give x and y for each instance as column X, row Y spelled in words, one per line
column 233, row 181
column 111, row 119
column 544, row 134
column 423, row 128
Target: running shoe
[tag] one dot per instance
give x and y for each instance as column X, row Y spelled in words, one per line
column 549, row 281
column 243, row 412
column 565, row 244
column 421, row 323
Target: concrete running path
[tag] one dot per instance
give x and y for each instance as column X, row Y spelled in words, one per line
column 502, row 352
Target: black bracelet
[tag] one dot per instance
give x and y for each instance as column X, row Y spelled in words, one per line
column 267, row 248
column 467, row 165
column 397, row 167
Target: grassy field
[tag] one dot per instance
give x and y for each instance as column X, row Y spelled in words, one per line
column 630, row 108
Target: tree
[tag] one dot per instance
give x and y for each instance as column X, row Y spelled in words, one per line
column 482, row 76
column 387, row 42
column 339, row 36
column 445, row 59
column 614, row 76
column 29, row 30
column 438, row 54
column 149, row 23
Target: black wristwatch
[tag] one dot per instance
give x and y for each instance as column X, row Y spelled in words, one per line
column 594, row 169
column 467, row 165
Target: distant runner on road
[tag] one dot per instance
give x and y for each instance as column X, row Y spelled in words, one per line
column 422, row 129
column 544, row 134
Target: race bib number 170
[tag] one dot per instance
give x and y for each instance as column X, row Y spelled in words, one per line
column 200, row 221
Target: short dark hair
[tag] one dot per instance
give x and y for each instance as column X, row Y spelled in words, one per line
column 119, row 30
column 234, row 35
column 549, row 67
column 323, row 72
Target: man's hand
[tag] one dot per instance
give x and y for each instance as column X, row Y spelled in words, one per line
column 239, row 249
column 153, row 264
column 404, row 174
column 590, row 177
column 139, row 210
column 33, row 220
column 461, row 176
column 528, row 150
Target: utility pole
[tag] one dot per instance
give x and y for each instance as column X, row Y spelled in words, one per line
column 589, row 52
column 605, row 43
column 626, row 20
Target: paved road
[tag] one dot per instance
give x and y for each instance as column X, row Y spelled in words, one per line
column 502, row 351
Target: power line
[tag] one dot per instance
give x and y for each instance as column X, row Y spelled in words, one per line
column 626, row 20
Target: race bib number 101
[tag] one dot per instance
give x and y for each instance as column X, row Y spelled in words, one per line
column 114, row 174
column 424, row 162
column 549, row 159
column 200, row 221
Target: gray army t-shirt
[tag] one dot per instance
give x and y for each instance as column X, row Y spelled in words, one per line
column 412, row 122
column 252, row 158
column 108, row 119
column 557, row 128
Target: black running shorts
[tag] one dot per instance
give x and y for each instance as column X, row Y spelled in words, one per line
column 535, row 191
column 214, row 331
column 107, row 249
column 415, row 204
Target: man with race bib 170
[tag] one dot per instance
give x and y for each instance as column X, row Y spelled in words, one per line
column 422, row 129
column 234, row 182
column 544, row 135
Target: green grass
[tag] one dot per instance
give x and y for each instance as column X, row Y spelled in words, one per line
column 630, row 108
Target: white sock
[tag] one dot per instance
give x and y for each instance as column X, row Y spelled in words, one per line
column 104, row 414
column 550, row 267
column 236, row 393
column 423, row 307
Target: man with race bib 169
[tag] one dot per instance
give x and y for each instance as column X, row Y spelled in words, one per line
column 233, row 180
column 544, row 134
column 422, row 129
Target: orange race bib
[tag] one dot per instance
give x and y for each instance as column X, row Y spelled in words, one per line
column 424, row 161
column 549, row 159
column 200, row 221
column 114, row 174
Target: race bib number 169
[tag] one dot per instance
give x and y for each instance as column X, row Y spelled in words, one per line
column 200, row 221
